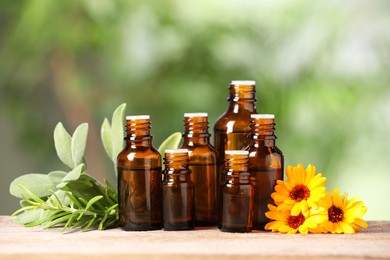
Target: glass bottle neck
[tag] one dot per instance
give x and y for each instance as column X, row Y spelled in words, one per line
column 242, row 93
column 237, row 177
column 139, row 141
column 196, row 130
column 262, row 132
column 138, row 132
column 241, row 106
column 176, row 166
column 242, row 98
column 236, row 168
column 194, row 139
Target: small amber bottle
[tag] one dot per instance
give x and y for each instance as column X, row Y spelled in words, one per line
column 236, row 206
column 203, row 166
column 232, row 128
column 265, row 165
column 139, row 178
column 178, row 191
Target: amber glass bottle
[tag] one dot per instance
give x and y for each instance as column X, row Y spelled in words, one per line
column 265, row 165
column 203, row 165
column 236, row 198
column 178, row 191
column 232, row 128
column 139, row 178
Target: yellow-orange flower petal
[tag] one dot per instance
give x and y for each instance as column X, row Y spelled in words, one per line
column 343, row 215
column 301, row 190
column 285, row 222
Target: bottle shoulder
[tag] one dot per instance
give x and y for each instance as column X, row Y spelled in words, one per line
column 265, row 158
column 234, row 121
column 144, row 157
column 206, row 148
column 202, row 154
column 255, row 151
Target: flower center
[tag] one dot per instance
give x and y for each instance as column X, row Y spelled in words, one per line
column 295, row 221
column 300, row 192
column 335, row 214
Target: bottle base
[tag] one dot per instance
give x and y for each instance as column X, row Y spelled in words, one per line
column 179, row 226
column 259, row 226
column 141, row 227
column 234, row 229
column 205, row 223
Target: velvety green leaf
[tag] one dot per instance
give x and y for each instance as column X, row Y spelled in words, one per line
column 72, row 175
column 45, row 214
column 39, row 184
column 28, row 216
column 59, row 197
column 56, row 176
column 62, row 143
column 117, row 126
column 78, row 143
column 28, row 195
column 172, row 142
column 106, row 135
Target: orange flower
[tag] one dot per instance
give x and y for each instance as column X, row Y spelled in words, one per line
column 301, row 191
column 302, row 223
column 343, row 215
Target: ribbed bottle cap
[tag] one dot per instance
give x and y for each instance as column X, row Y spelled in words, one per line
column 263, row 116
column 137, row 117
column 243, row 82
column 176, row 151
column 195, row 115
column 239, row 152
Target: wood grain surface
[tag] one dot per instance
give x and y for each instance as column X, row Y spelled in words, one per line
column 18, row 242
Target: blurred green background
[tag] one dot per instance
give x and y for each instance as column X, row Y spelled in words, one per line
column 322, row 67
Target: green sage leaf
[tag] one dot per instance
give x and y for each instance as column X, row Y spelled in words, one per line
column 78, row 143
column 37, row 183
column 56, row 176
column 106, row 135
column 62, row 143
column 28, row 216
column 172, row 142
column 59, row 197
column 31, row 197
column 117, row 126
column 46, row 214
column 72, row 175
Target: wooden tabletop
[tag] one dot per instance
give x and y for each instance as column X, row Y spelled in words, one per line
column 19, row 242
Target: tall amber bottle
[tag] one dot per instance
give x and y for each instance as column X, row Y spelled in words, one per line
column 232, row 128
column 139, row 178
column 203, row 165
column 178, row 191
column 236, row 198
column 265, row 165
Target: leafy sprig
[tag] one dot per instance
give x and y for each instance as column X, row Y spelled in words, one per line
column 74, row 199
column 112, row 134
column 74, row 211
